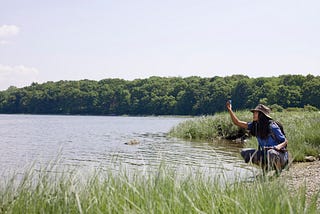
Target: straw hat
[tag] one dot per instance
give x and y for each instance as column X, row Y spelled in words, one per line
column 264, row 109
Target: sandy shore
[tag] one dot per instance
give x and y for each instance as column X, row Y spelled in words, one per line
column 300, row 174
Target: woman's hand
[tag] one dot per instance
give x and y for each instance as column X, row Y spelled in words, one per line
column 278, row 147
column 228, row 105
column 281, row 145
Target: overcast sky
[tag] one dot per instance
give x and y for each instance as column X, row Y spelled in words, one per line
column 80, row 39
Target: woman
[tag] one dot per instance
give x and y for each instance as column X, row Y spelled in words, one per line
column 272, row 153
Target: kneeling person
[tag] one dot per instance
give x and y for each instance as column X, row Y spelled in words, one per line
column 272, row 152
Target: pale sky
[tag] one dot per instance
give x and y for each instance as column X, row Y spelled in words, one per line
column 96, row 39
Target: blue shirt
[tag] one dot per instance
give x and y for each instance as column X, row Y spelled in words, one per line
column 270, row 140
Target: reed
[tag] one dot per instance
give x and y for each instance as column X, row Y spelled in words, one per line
column 164, row 191
column 209, row 127
column 302, row 129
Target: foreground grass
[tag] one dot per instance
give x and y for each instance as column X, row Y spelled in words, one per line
column 302, row 129
column 161, row 192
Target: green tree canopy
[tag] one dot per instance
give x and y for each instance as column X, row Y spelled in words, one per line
column 161, row 95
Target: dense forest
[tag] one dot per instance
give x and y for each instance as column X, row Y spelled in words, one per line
column 161, row 95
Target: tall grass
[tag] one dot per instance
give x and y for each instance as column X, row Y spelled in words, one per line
column 210, row 127
column 302, row 129
column 161, row 192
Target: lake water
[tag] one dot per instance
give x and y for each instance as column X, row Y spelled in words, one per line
column 99, row 142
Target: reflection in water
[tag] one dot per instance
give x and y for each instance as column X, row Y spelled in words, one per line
column 99, row 142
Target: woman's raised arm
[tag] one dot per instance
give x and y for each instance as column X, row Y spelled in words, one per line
column 234, row 118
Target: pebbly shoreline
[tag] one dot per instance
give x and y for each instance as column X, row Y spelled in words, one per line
column 304, row 173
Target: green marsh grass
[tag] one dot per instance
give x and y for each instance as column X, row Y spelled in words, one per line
column 163, row 191
column 209, row 127
column 302, row 129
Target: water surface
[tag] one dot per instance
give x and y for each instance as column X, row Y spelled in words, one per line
column 100, row 142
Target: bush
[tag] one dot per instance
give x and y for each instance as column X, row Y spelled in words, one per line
column 276, row 108
column 310, row 108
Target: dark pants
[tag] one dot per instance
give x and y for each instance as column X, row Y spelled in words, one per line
column 267, row 159
column 253, row 155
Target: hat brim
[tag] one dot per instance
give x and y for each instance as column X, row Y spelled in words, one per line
column 267, row 115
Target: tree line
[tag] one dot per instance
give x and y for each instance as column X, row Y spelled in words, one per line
column 161, row 95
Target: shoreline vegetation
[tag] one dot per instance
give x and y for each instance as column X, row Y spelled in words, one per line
column 162, row 191
column 301, row 126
